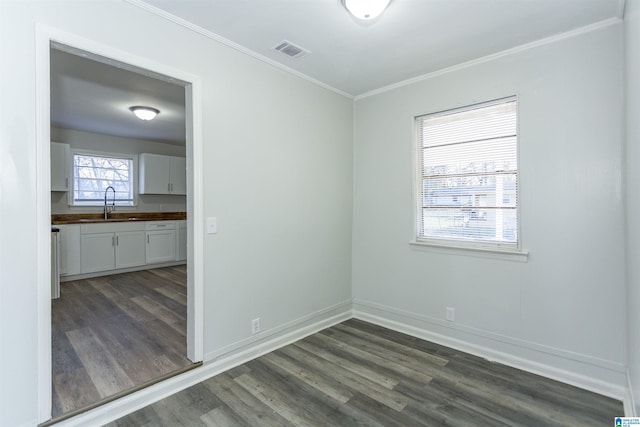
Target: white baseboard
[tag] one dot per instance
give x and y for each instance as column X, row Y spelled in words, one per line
column 296, row 327
column 82, row 276
column 240, row 354
column 402, row 322
column 248, row 349
column 629, row 402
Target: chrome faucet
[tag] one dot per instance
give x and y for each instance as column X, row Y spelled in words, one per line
column 108, row 209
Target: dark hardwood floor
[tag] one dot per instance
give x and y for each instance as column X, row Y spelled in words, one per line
column 356, row 373
column 113, row 333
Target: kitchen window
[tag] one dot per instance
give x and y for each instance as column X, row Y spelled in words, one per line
column 468, row 177
column 93, row 173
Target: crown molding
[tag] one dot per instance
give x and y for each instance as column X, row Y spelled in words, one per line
column 218, row 38
column 222, row 40
column 542, row 42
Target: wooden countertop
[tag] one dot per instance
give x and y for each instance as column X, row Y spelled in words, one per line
column 88, row 218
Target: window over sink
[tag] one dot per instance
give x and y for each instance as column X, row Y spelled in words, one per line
column 93, row 173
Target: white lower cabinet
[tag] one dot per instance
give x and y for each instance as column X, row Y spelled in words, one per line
column 161, row 241
column 130, row 249
column 69, row 249
column 181, row 240
column 98, row 252
column 108, row 246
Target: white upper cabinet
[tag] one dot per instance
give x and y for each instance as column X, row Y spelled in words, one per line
column 162, row 174
column 178, row 175
column 60, row 166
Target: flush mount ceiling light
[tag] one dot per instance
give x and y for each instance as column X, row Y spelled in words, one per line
column 366, row 9
column 144, row 113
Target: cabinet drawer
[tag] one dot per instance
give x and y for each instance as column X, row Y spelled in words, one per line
column 160, row 225
column 112, row 227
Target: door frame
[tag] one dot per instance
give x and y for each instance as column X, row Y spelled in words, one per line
column 45, row 36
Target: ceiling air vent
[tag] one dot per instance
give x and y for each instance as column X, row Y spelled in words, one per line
column 291, row 50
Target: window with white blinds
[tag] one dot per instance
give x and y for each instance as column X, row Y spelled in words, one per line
column 468, row 176
column 94, row 173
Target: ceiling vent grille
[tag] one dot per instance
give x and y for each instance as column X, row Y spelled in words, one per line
column 291, row 50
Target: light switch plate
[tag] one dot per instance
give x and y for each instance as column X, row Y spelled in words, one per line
column 212, row 225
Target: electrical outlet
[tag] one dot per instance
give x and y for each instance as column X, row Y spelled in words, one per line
column 451, row 314
column 255, row 326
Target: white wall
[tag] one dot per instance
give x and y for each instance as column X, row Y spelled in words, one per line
column 277, row 174
column 114, row 144
column 632, row 56
column 282, row 192
column 563, row 310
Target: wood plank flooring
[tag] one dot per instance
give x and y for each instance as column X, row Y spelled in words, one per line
column 356, row 373
column 112, row 333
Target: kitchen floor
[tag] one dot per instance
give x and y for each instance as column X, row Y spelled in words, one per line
column 113, row 333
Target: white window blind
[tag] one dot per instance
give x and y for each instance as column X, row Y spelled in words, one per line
column 93, row 173
column 468, row 180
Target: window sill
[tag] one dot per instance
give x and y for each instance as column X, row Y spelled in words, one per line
column 483, row 252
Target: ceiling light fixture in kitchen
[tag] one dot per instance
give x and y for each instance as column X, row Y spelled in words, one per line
column 366, row 9
column 144, row 113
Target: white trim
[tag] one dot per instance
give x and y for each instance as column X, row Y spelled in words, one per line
column 121, row 407
column 246, row 350
column 43, row 222
column 213, row 36
column 404, row 322
column 46, row 35
column 195, row 221
column 507, row 52
column 629, row 402
column 333, row 312
column 133, row 158
column 82, row 276
column 484, row 249
column 476, row 251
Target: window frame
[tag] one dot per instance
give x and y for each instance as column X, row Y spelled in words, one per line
column 449, row 245
column 124, row 156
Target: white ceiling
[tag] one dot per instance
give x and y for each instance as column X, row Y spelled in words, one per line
column 95, row 94
column 411, row 38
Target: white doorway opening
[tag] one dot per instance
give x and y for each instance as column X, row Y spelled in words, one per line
column 45, row 38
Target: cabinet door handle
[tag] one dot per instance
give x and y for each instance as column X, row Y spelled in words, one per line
column 147, row 239
column 168, row 187
column 113, row 241
column 66, row 183
column 172, row 188
column 117, row 240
